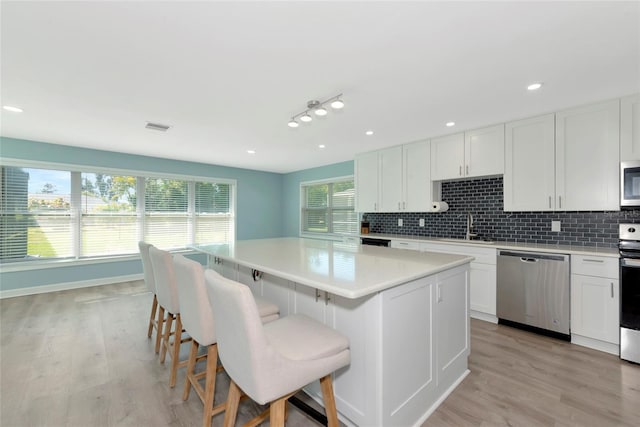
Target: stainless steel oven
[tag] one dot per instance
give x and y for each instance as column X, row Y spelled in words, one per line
column 630, row 292
column 630, row 184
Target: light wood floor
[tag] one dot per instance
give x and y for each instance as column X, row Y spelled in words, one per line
column 81, row 358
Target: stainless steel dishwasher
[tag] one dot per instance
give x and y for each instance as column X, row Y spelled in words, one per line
column 533, row 292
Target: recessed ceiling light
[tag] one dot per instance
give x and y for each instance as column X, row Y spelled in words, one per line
column 534, row 86
column 449, row 124
column 12, row 109
column 321, row 146
column 369, row 132
column 251, row 151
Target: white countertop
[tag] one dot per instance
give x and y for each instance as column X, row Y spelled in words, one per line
column 345, row 269
column 521, row 246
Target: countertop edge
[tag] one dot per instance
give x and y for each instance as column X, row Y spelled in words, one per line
column 531, row 247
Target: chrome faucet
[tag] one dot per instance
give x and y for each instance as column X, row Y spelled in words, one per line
column 470, row 232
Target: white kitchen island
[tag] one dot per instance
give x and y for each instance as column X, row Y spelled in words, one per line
column 406, row 315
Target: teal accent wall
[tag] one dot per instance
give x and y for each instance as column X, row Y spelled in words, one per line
column 259, row 201
column 291, row 192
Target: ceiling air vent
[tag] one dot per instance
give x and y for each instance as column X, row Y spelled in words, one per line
column 157, row 126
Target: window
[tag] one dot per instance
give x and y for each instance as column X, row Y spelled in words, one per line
column 49, row 214
column 328, row 207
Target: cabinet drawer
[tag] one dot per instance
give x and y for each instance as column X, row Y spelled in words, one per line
column 405, row 244
column 595, row 266
column 482, row 255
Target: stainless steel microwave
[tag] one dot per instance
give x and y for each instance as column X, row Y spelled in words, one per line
column 630, row 184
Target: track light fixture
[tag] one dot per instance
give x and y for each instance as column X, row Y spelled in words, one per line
column 318, row 108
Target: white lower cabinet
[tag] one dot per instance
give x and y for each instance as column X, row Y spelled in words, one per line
column 482, row 280
column 595, row 303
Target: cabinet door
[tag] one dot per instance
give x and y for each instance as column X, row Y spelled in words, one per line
column 390, row 195
column 630, row 128
column 588, row 158
column 417, row 177
column 447, row 157
column 366, row 168
column 482, row 285
column 529, row 169
column 595, row 304
column 484, row 151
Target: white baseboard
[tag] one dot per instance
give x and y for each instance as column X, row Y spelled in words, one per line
column 33, row 290
column 483, row 316
column 595, row 344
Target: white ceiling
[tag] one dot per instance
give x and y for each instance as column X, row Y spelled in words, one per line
column 228, row 76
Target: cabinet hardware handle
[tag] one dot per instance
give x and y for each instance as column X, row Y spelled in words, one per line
column 611, row 289
column 404, row 205
column 375, row 206
column 549, row 202
column 560, row 202
column 317, row 295
column 327, row 298
column 593, row 260
column 398, row 205
column 460, row 170
column 439, row 293
column 467, row 169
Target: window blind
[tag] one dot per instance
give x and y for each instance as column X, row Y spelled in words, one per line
column 35, row 211
column 328, row 208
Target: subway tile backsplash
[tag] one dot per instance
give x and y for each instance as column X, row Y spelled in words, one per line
column 483, row 198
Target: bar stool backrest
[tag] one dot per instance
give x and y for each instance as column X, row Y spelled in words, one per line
column 165, row 278
column 147, row 268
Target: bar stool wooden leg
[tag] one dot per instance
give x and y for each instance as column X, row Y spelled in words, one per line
column 233, row 399
column 210, row 384
column 276, row 412
column 175, row 351
column 191, row 367
column 167, row 335
column 152, row 318
column 326, row 384
column 160, row 328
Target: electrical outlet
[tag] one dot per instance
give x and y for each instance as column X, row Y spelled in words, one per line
column 421, row 222
column 555, row 225
column 399, row 222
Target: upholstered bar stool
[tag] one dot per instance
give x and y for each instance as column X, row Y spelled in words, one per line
column 197, row 319
column 270, row 363
column 147, row 270
column 198, row 322
column 167, row 292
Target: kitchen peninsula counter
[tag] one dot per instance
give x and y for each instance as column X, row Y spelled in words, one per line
column 406, row 315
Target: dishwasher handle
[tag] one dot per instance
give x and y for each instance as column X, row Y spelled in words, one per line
column 532, row 257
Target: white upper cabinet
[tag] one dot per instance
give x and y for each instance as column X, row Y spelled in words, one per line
column 529, row 167
column 484, row 151
column 394, row 179
column 366, row 182
column 475, row 153
column 447, row 157
column 390, row 171
column 417, row 186
column 588, row 158
column 630, row 128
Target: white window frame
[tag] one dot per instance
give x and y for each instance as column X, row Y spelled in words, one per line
column 76, row 171
column 323, row 236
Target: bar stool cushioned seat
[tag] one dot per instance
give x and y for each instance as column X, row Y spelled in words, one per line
column 271, row 362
